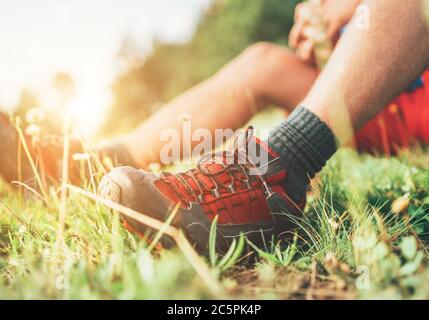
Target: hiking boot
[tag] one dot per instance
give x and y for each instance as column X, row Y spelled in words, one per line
column 47, row 155
column 12, row 153
column 239, row 187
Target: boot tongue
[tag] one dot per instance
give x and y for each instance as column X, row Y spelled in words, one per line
column 259, row 152
column 253, row 154
column 251, row 149
column 267, row 162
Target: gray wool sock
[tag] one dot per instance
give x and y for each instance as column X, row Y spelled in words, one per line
column 304, row 143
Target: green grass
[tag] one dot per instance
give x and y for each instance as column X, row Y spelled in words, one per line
column 351, row 245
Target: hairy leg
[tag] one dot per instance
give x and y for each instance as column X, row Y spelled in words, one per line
column 263, row 74
column 370, row 66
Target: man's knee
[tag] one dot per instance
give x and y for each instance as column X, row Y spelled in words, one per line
column 260, row 50
column 252, row 57
column 264, row 58
column 262, row 53
column 247, row 67
column 258, row 65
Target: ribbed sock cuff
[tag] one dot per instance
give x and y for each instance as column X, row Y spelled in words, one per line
column 305, row 143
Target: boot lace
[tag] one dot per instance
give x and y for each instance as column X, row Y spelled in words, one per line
column 231, row 168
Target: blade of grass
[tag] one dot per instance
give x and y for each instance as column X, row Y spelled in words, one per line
column 32, row 190
column 188, row 251
column 30, row 159
column 161, row 232
column 230, row 261
column 228, row 254
column 64, row 182
column 212, row 242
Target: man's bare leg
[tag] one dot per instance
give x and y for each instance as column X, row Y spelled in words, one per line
column 368, row 68
column 263, row 74
column 371, row 66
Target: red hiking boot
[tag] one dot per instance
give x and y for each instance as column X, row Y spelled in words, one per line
column 246, row 195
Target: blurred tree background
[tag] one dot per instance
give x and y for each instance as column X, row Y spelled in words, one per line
column 226, row 29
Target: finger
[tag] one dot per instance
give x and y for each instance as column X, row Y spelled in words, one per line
column 295, row 35
column 306, row 50
column 303, row 12
column 298, row 10
column 295, row 32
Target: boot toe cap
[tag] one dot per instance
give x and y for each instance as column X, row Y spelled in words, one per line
column 120, row 185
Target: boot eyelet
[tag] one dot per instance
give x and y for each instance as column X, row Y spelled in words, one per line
column 215, row 193
column 231, row 188
column 246, row 182
column 200, row 198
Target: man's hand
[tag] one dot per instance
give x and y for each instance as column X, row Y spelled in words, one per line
column 336, row 14
column 304, row 17
column 331, row 14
